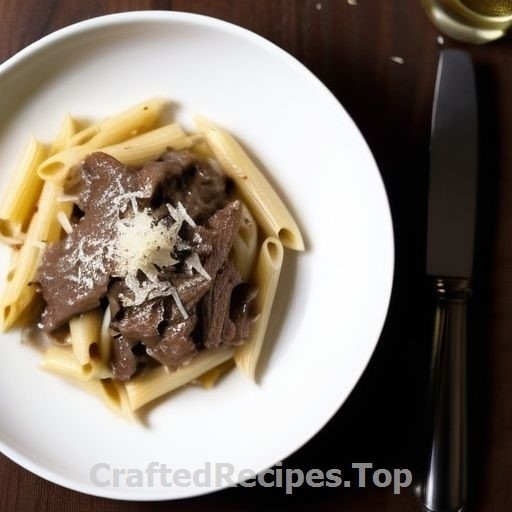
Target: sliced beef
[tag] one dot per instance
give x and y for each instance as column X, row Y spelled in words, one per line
column 75, row 272
column 79, row 272
column 191, row 289
column 124, row 363
column 105, row 182
column 242, row 310
column 179, row 176
column 175, row 346
column 216, row 238
column 142, row 323
column 217, row 327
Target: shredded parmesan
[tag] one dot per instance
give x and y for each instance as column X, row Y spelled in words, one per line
column 39, row 244
column 144, row 244
column 105, row 336
column 67, row 198
column 193, row 262
column 180, row 215
column 141, row 243
column 64, row 222
column 176, row 298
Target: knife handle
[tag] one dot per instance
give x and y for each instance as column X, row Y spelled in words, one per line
column 445, row 485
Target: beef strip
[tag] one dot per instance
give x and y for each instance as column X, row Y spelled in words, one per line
column 182, row 177
column 217, row 327
column 242, row 310
column 124, row 360
column 142, row 323
column 74, row 273
column 216, row 238
column 175, row 346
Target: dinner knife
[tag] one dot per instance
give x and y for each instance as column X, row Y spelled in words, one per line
column 450, row 241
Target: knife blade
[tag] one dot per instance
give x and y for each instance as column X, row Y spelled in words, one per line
column 450, row 247
column 453, row 168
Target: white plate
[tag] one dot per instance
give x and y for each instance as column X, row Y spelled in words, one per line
column 332, row 300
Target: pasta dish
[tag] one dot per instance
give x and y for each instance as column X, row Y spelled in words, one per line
column 143, row 256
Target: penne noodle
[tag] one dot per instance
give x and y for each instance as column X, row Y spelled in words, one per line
column 113, row 130
column 203, row 150
column 210, row 378
column 112, row 392
column 18, row 293
column 157, row 382
column 61, row 359
column 151, row 145
column 125, row 125
column 257, row 192
column 44, row 227
column 245, row 244
column 67, row 130
column 18, row 206
column 85, row 330
column 268, row 268
column 132, row 152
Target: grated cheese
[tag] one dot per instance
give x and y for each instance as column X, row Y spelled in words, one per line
column 141, row 243
column 180, row 215
column 146, row 245
column 64, row 222
column 193, row 262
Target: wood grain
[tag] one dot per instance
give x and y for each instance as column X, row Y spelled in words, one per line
column 350, row 48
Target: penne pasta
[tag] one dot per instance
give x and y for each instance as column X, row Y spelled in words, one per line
column 111, row 392
column 85, row 331
column 122, row 126
column 151, row 145
column 132, row 152
column 258, row 193
column 60, row 360
column 113, row 130
column 210, row 378
column 17, row 208
column 158, row 382
column 245, row 245
column 268, row 268
column 44, row 227
column 63, row 139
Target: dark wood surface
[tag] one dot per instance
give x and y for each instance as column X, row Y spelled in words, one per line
column 349, row 49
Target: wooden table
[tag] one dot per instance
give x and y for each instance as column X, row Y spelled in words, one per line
column 350, row 48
